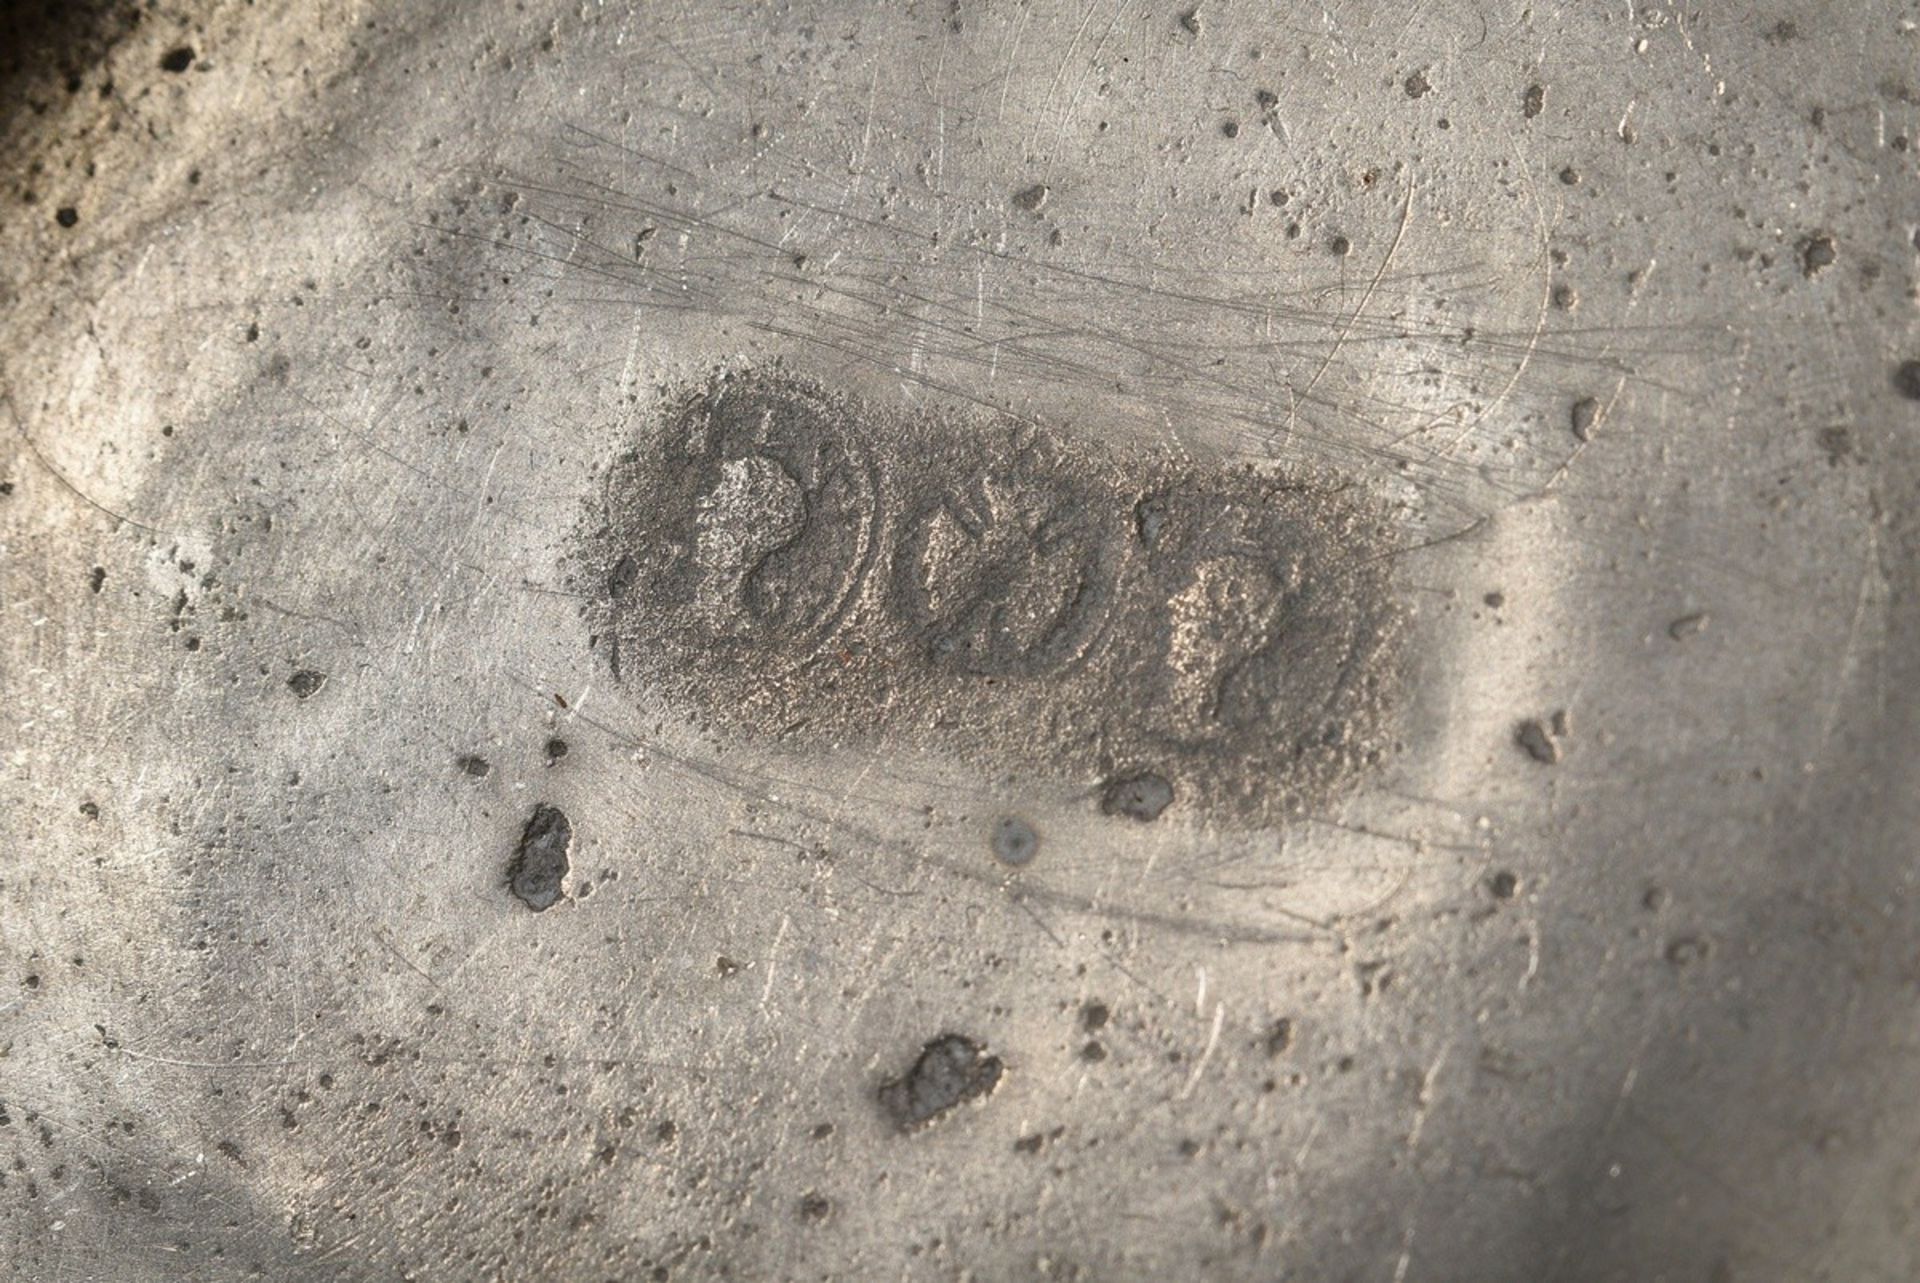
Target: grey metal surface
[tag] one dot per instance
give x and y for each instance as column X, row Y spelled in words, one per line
column 880, row 936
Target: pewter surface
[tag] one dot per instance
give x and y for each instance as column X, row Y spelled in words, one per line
column 325, row 329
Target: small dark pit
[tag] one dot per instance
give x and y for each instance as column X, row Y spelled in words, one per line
column 306, row 683
column 1906, row 380
column 1141, row 796
column 1014, row 841
column 950, row 1070
column 540, row 862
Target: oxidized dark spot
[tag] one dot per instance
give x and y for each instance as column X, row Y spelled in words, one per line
column 1906, row 380
column 306, row 683
column 1280, row 1036
column 1014, row 841
column 1688, row 626
column 1532, row 735
column 1031, row 198
column 539, row 868
column 1585, row 413
column 1817, row 254
column 951, row 1069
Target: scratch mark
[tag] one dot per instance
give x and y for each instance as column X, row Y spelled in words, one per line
column 20, row 426
column 1213, row 1042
